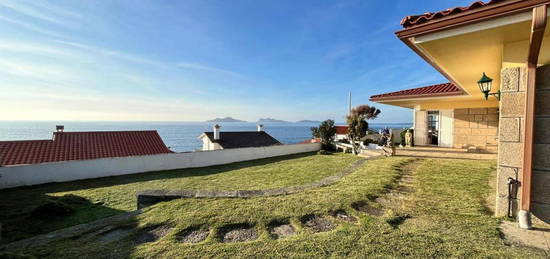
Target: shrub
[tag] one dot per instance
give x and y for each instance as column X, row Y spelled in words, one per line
column 325, row 132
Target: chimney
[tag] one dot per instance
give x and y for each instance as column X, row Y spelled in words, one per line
column 260, row 127
column 216, row 132
column 59, row 128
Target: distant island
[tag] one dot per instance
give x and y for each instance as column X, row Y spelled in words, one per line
column 271, row 120
column 308, row 121
column 226, row 119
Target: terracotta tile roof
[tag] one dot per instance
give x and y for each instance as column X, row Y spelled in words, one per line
column 446, row 89
column 240, row 139
column 414, row 20
column 309, row 141
column 82, row 146
column 342, row 130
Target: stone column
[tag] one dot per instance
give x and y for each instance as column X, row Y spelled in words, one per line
column 510, row 150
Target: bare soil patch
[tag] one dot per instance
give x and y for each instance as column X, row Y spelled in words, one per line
column 363, row 206
column 153, row 234
column 318, row 223
column 342, row 215
column 238, row 233
column 281, row 230
column 192, row 235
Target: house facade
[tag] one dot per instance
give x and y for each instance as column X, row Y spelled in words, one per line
column 507, row 41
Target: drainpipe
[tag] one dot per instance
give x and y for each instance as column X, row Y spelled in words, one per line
column 535, row 42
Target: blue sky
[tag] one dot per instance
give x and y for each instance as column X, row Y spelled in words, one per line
column 194, row 60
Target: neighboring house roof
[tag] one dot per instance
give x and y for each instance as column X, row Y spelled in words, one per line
column 309, row 141
column 413, row 20
column 82, row 146
column 342, row 130
column 240, row 139
column 446, row 89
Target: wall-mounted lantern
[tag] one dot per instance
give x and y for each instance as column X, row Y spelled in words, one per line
column 485, row 84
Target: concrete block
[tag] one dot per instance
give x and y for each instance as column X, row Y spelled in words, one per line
column 477, row 140
column 478, row 111
column 543, row 77
column 510, row 79
column 542, row 103
column 460, row 139
column 461, row 123
column 542, row 130
column 492, row 140
column 503, row 173
column 492, row 125
column 510, row 154
column 501, row 208
column 482, row 124
column 510, row 129
column 512, row 104
column 541, row 187
column 462, row 131
column 492, row 111
column 541, row 159
column 460, row 112
column 479, row 118
column 474, row 124
column 492, row 117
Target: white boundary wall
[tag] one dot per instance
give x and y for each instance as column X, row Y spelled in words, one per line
column 21, row 175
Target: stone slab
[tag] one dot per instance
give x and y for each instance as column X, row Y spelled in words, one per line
column 510, row 129
column 510, row 79
column 512, row 104
column 510, row 154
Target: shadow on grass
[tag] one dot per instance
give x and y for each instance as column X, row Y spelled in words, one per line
column 17, row 205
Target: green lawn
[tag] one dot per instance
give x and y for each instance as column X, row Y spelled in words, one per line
column 446, row 218
column 27, row 211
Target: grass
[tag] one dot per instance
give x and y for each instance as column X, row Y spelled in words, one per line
column 28, row 211
column 444, row 218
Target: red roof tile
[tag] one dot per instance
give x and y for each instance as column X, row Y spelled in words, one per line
column 446, row 89
column 414, row 20
column 82, row 146
column 343, row 130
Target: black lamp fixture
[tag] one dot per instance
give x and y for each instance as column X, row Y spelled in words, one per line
column 485, row 84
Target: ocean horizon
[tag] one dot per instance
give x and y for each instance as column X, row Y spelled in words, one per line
column 179, row 136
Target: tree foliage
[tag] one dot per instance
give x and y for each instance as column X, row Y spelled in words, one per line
column 325, row 132
column 357, row 122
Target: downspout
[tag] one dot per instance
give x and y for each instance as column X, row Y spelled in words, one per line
column 535, row 42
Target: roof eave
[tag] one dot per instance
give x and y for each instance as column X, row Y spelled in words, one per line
column 421, row 96
column 470, row 16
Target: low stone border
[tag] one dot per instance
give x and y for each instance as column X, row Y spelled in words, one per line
column 70, row 232
column 150, row 197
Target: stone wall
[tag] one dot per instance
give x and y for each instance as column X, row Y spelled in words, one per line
column 476, row 127
column 541, row 162
column 510, row 159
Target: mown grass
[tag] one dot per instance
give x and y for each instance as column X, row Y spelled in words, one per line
column 446, row 218
column 89, row 200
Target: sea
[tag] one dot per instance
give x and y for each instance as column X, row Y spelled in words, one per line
column 179, row 136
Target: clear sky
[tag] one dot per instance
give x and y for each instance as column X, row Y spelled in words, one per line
column 184, row 60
